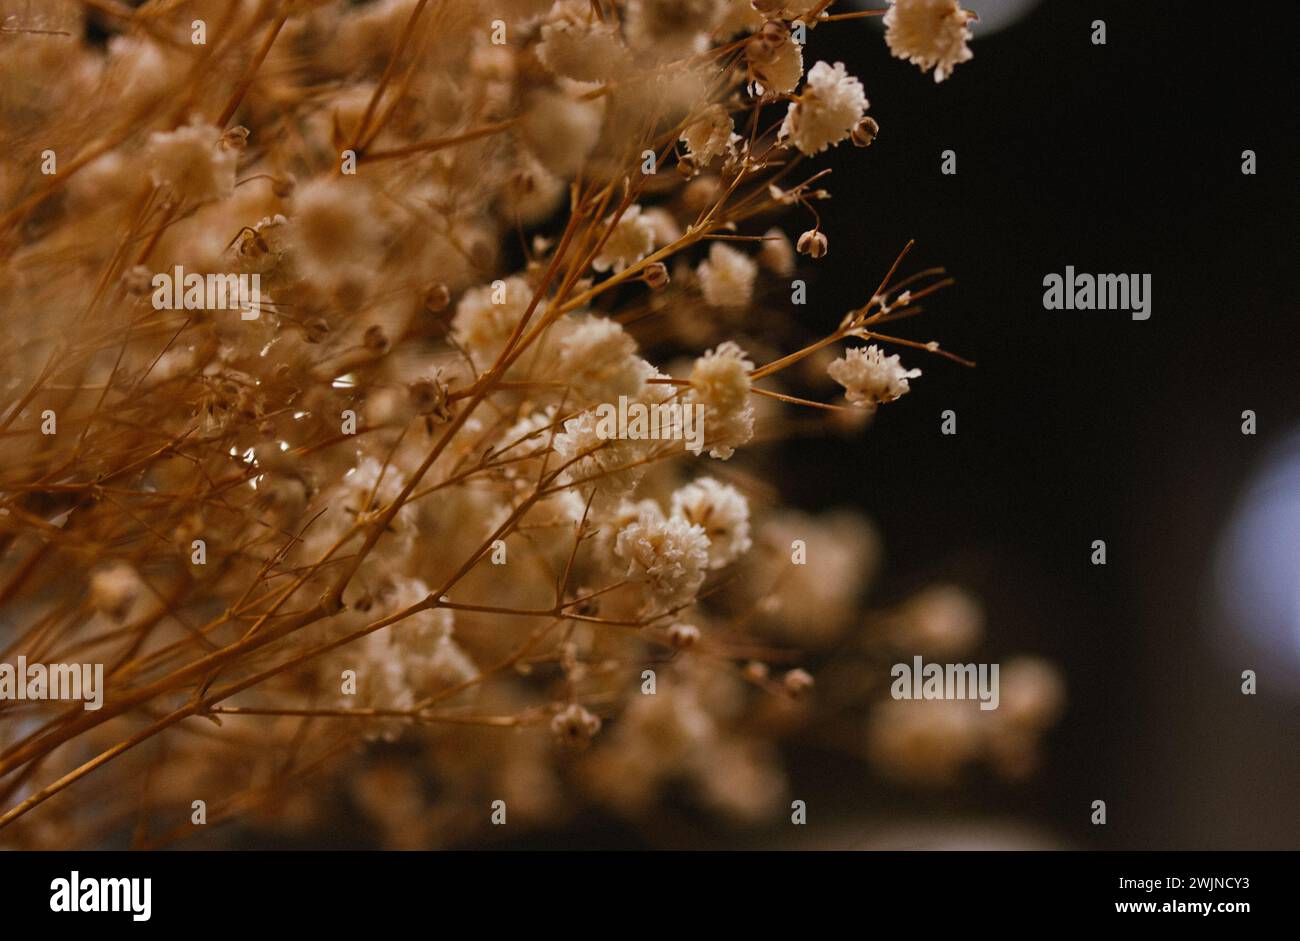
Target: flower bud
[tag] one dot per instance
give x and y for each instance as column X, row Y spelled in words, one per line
column 683, row 636
column 865, row 132
column 813, row 243
column 797, row 682
column 656, row 275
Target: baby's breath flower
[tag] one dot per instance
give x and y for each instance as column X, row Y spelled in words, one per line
column 193, row 162
column 720, row 382
column 114, row 589
column 574, row 726
column 607, row 469
column 668, row 557
column 631, row 240
column 775, row 60
column 708, row 136
column 829, row 107
column 797, row 682
column 598, row 358
column 576, row 45
column 727, row 276
column 722, row 511
column 865, row 132
column 487, row 315
column 720, row 378
column 869, row 377
column 931, row 33
column 777, row 254
column 813, row 243
column 561, row 129
column 683, row 636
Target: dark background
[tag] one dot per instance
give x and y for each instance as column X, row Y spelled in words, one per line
column 1083, row 425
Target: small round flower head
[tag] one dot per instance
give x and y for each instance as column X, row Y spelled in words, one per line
column 708, row 136
column 487, row 315
column 599, row 359
column 927, row 741
column 668, row 556
column 575, row 44
column 722, row 512
column 602, row 467
column 720, row 378
column 797, row 682
column 332, row 219
column 931, row 33
column 370, row 487
column 775, row 60
column 683, row 636
column 193, row 162
column 720, row 382
column 942, row 620
column 574, row 726
column 561, row 130
column 632, row 238
column 424, row 643
column 869, row 377
column 830, row 106
column 531, row 192
column 777, row 254
column 727, row 276
column 1032, row 693
column 115, row 589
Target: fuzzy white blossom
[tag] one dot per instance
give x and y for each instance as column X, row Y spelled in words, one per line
column 777, row 67
column 632, row 238
column 722, row 512
column 869, row 377
column 193, row 162
column 829, row 107
column 668, row 556
column 931, row 33
column 720, row 382
column 709, row 135
column 598, row 358
column 727, row 276
column 575, row 44
column 487, row 315
column 605, row 468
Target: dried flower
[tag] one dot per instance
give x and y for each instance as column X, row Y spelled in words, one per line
column 193, row 163
column 931, row 33
column 871, row 378
column 826, row 111
column 727, row 276
column 813, row 243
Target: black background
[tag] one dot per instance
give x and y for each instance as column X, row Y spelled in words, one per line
column 1083, row 425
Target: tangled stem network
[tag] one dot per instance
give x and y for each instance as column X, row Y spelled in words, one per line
column 313, row 315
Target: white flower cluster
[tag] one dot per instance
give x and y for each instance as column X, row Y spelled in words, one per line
column 871, row 378
column 931, row 33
